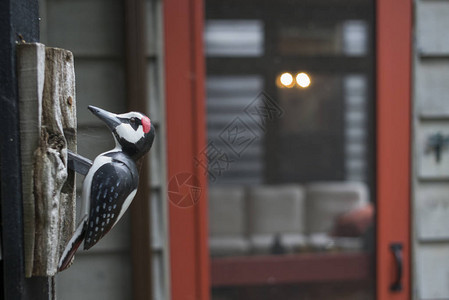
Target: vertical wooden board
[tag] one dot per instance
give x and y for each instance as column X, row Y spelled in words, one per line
column 432, row 211
column 158, row 238
column 157, row 265
column 158, row 164
column 433, row 271
column 96, row 276
column 68, row 121
column 184, row 84
column 154, row 92
column 155, row 166
column 47, row 89
column 153, row 38
column 31, row 67
column 432, row 23
column 180, row 147
column 88, row 28
column 393, row 52
column 428, row 166
column 136, row 98
column 432, row 90
column 197, row 9
column 54, row 184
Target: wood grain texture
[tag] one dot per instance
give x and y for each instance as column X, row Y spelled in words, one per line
column 184, row 100
column 31, row 69
column 393, row 100
column 136, row 92
column 52, row 198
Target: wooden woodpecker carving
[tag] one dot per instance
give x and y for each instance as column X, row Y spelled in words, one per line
column 111, row 179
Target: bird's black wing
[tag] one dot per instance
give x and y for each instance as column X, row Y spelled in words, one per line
column 111, row 185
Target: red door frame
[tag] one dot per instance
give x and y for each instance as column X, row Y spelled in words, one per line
column 393, row 49
column 184, row 89
column 186, row 138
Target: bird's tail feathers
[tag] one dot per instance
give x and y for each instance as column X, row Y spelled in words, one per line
column 69, row 252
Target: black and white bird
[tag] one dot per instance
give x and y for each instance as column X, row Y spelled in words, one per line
column 111, row 180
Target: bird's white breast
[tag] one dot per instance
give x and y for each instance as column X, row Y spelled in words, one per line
column 87, row 184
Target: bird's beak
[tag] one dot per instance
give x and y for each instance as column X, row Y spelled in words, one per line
column 109, row 118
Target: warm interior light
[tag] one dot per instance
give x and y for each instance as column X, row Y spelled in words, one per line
column 286, row 79
column 303, row 80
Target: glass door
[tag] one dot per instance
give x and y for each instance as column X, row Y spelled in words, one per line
column 291, row 148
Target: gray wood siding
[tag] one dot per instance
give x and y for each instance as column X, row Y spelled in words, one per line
column 432, row 22
column 430, row 194
column 101, row 82
column 93, row 31
column 96, row 276
column 158, row 197
column 87, row 28
column 431, row 86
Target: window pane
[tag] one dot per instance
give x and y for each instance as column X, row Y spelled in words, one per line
column 234, row 38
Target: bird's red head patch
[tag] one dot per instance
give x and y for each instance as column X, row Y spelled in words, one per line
column 146, row 124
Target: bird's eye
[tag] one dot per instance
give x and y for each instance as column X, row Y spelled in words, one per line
column 134, row 122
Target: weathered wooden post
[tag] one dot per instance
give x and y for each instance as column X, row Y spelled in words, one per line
column 48, row 129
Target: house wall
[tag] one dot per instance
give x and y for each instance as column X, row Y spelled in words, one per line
column 430, row 176
column 94, row 32
column 158, row 160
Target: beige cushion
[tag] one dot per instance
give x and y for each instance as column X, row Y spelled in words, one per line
column 227, row 211
column 276, row 210
column 227, row 221
column 326, row 201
